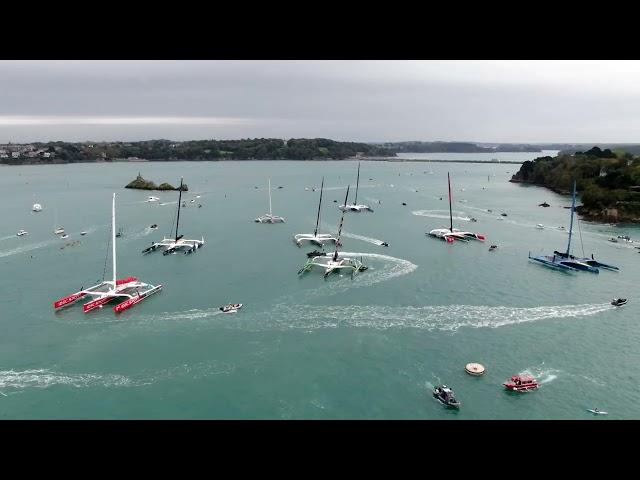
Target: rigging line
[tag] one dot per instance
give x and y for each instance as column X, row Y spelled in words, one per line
column 580, row 231
column 106, row 258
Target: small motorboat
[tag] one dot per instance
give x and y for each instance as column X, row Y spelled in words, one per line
column 59, row 231
column 231, row 308
column 624, row 237
column 540, row 226
column 446, row 396
column 192, row 201
column 119, row 234
column 521, row 383
column 473, row 219
column 503, row 214
column 154, row 226
column 83, row 233
column 316, row 253
column 403, row 203
column 199, row 205
column 493, row 247
column 64, row 236
column 561, row 228
column 595, row 411
column 280, row 187
column 544, row 204
column 37, row 207
column 384, row 244
column 490, row 211
column 613, row 240
column 21, row 233
column 152, row 199
column 618, row 302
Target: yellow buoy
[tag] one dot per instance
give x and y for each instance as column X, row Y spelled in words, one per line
column 474, row 369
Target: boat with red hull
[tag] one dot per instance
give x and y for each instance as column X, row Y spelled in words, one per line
column 521, row 383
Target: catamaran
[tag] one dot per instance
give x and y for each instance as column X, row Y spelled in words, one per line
column 269, row 217
column 130, row 288
column 567, row 262
column 334, row 262
column 173, row 244
column 316, row 238
column 356, row 207
column 451, row 234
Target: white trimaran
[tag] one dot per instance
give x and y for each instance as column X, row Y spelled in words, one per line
column 129, row 288
column 334, row 262
column 450, row 234
column 316, row 238
column 355, row 207
column 176, row 243
column 269, row 217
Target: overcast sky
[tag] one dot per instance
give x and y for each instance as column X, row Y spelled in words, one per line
column 484, row 101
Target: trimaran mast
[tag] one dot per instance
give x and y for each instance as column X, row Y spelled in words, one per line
column 355, row 202
column 573, row 207
column 335, row 255
column 270, row 197
column 179, row 206
column 113, row 237
column 315, row 233
column 450, row 212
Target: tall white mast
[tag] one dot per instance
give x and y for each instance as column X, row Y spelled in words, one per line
column 113, row 237
column 269, row 196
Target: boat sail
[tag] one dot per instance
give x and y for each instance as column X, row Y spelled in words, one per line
column 564, row 260
column 316, row 238
column 334, row 262
column 173, row 244
column 451, row 234
column 130, row 288
column 355, row 207
column 269, row 217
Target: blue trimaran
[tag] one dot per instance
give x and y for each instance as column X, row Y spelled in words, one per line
column 566, row 261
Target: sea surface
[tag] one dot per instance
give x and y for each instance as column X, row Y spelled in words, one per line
column 480, row 157
column 371, row 347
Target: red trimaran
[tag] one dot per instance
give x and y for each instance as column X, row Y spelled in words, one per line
column 129, row 288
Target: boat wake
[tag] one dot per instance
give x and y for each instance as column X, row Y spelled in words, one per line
column 28, row 248
column 44, row 378
column 438, row 317
column 168, row 203
column 458, row 215
column 373, row 241
column 8, row 237
column 542, row 374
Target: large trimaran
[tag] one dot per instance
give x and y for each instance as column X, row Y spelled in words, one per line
column 450, row 234
column 176, row 243
column 129, row 288
column 564, row 260
column 316, row 238
column 355, row 207
column 333, row 262
column 269, row 217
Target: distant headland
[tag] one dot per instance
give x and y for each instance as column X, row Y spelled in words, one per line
column 608, row 181
column 141, row 184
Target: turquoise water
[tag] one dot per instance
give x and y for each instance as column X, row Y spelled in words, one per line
column 367, row 348
column 484, row 157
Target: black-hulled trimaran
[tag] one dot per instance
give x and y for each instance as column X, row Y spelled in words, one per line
column 355, row 207
column 176, row 243
column 450, row 234
column 316, row 238
column 333, row 262
column 130, row 288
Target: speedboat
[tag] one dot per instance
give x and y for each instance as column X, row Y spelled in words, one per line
column 618, row 302
column 493, row 247
column 446, row 396
column 521, row 383
column 503, row 214
column 384, row 244
column 154, row 226
column 544, row 204
column 231, row 308
column 64, row 236
column 37, row 207
column 59, row 231
column 22, row 232
column 152, row 199
column 595, row 411
column 540, row 226
column 83, row 233
column 473, row 219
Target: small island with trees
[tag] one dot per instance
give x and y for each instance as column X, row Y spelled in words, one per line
column 608, row 182
column 141, row 184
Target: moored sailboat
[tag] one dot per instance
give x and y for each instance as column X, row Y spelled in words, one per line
column 355, row 207
column 316, row 238
column 269, row 217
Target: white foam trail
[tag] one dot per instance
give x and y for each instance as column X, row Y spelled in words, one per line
column 371, row 240
column 28, row 248
column 8, row 237
column 44, row 378
column 542, row 374
column 441, row 214
column 168, row 203
column 436, row 317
